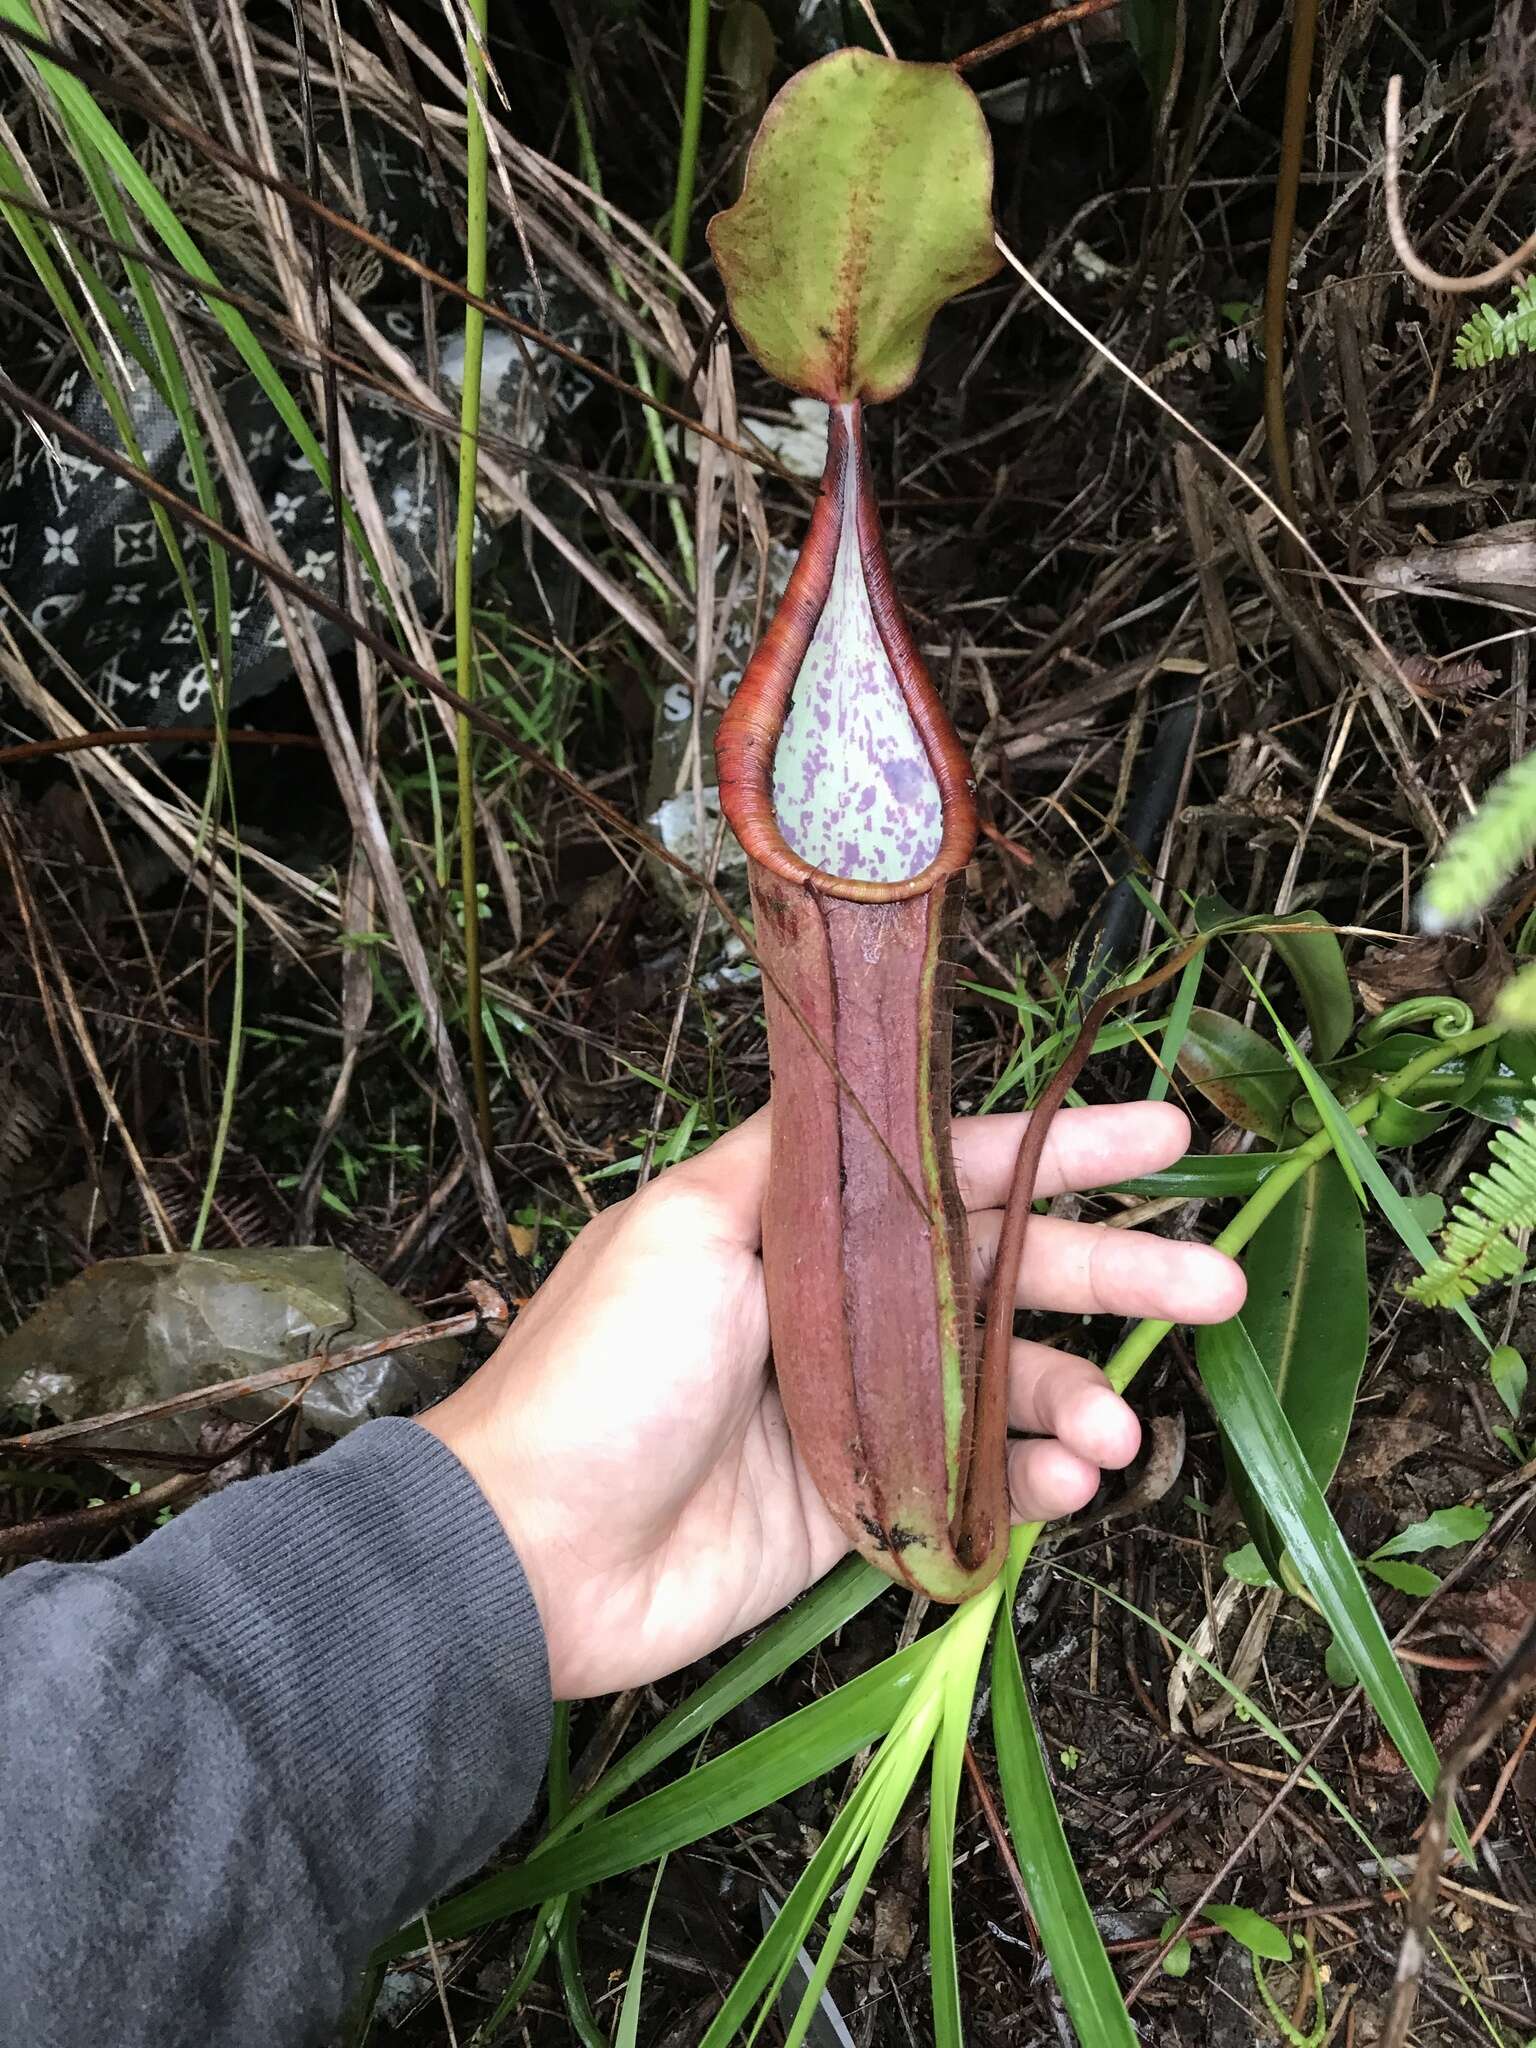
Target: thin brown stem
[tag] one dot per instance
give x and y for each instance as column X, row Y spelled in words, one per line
column 1062, row 17
column 1298, row 97
column 1407, row 255
column 148, row 736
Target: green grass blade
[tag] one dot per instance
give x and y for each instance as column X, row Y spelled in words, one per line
column 1205, row 1176
column 1255, row 1426
column 1177, row 1024
column 1082, row 1969
column 901, row 1757
column 217, row 660
column 840, row 1596
column 639, row 362
column 760, row 1983
column 87, row 121
column 747, row 1778
column 1365, row 1171
column 762, row 1980
column 627, row 2033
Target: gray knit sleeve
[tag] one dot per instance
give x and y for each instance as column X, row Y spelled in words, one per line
column 239, row 1756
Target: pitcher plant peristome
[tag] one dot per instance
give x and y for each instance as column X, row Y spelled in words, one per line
column 866, row 205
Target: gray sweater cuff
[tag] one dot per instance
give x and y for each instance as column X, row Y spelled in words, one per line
column 372, row 1631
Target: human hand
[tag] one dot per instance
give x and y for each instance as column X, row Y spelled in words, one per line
column 628, row 1433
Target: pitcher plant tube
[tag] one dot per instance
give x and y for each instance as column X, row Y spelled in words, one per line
column 866, row 204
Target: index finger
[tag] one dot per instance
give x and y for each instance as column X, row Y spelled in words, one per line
column 1086, row 1149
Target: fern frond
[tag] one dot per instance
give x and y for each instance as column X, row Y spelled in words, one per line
column 1483, row 852
column 1490, row 335
column 1514, row 1007
column 1478, row 1245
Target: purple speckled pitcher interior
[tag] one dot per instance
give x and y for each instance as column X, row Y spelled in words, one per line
column 853, row 791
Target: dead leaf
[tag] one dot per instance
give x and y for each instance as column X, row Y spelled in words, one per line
column 1445, row 680
column 1384, row 1442
column 1493, row 1620
column 893, row 1925
column 1473, row 965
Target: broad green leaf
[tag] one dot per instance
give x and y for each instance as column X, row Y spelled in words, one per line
column 1259, row 1936
column 1308, row 1318
column 1240, row 1072
column 1213, row 1175
column 1400, row 1124
column 1316, row 962
column 1245, row 1406
column 1153, row 34
column 1442, row 1530
column 747, row 1778
column 1417, row 1579
column 1309, row 949
column 1455, row 1083
column 1247, row 1567
column 1428, row 1211
column 1084, row 1974
column 867, row 204
column 1506, row 1368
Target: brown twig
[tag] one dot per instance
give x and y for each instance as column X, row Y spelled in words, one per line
column 998, row 838
column 489, row 1312
column 1298, row 95
column 149, row 736
column 1063, row 17
column 1496, row 1798
column 1000, row 1842
column 26, row 1537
